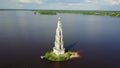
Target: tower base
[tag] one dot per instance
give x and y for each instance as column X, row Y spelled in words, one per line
column 58, row 51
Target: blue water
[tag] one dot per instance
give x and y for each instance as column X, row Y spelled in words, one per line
column 24, row 37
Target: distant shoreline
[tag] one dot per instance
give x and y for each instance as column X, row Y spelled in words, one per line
column 101, row 13
column 85, row 12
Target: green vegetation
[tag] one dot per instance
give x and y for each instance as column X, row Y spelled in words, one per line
column 54, row 12
column 45, row 12
column 52, row 57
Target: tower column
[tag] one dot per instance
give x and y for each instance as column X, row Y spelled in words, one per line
column 58, row 49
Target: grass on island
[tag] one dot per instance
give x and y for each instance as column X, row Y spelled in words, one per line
column 52, row 57
column 103, row 13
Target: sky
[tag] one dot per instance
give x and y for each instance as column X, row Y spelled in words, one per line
column 61, row 4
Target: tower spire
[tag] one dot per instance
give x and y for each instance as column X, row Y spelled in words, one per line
column 58, row 48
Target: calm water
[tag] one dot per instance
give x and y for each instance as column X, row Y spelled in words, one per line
column 24, row 37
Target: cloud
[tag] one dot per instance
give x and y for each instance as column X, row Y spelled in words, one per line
column 61, row 4
column 39, row 1
column 74, row 4
column 19, row 5
column 31, row 1
column 104, row 2
column 25, row 1
column 113, row 2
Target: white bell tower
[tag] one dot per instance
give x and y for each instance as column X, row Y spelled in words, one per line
column 58, row 49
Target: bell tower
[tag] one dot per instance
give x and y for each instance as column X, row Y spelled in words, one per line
column 58, row 49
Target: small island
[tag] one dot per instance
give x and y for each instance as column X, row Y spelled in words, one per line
column 63, row 57
column 58, row 53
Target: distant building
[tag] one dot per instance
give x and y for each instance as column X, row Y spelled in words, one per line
column 58, row 49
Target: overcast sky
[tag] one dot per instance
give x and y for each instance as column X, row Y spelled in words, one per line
column 61, row 4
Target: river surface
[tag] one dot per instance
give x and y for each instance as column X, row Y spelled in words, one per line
column 25, row 36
